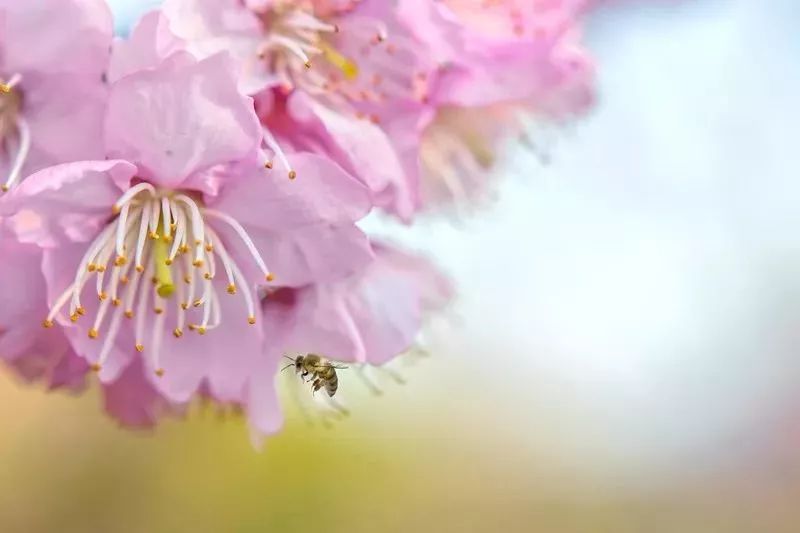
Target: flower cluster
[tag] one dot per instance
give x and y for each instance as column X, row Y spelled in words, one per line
column 180, row 207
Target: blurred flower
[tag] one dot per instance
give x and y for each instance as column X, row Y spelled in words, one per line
column 53, row 54
column 500, row 61
column 369, row 317
column 179, row 230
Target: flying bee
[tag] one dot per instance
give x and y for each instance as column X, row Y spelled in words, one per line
column 318, row 370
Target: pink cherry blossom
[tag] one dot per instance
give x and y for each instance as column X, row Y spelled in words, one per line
column 154, row 256
column 500, row 61
column 327, row 75
column 53, row 54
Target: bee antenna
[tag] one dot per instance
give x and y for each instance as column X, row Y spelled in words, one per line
column 289, row 358
column 287, row 366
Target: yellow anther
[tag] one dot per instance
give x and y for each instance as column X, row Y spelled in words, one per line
column 158, row 310
column 74, row 317
column 197, row 263
column 307, row 64
column 268, row 165
column 123, row 279
column 95, row 367
column 197, row 303
column 5, row 88
column 93, row 333
column 192, row 327
column 139, row 347
column 231, row 289
column 209, row 247
column 47, row 323
column 251, row 320
column 116, row 209
column 120, row 260
column 184, row 305
column 168, row 262
column 208, row 276
column 153, row 235
column 101, row 268
column 160, row 372
column 139, row 269
column 91, row 267
column 270, row 277
column 292, row 174
column 178, row 333
column 187, row 279
column 102, row 295
column 128, row 313
column 116, row 302
column 201, row 330
column 80, row 310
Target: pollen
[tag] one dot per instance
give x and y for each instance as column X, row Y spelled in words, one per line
column 47, row 323
column 231, row 289
column 139, row 347
column 93, row 333
column 177, row 333
column 120, row 261
column 270, row 277
column 128, row 313
column 251, row 320
column 160, row 372
column 292, row 174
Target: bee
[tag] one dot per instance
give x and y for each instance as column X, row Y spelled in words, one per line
column 318, row 370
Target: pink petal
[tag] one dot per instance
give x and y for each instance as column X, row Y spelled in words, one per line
column 181, row 118
column 46, row 37
column 309, row 254
column 225, row 356
column 269, row 200
column 212, row 26
column 364, row 150
column 149, row 43
column 66, row 203
column 65, row 115
column 22, row 285
column 133, row 401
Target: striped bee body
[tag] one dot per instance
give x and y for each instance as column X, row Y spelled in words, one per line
column 318, row 370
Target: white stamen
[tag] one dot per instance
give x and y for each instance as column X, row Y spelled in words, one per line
column 251, row 247
column 174, row 216
column 22, row 152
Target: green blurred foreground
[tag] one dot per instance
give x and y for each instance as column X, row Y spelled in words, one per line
column 418, row 459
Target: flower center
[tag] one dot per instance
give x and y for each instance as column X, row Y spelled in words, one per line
column 15, row 137
column 159, row 246
column 355, row 74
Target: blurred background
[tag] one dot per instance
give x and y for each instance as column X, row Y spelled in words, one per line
column 623, row 355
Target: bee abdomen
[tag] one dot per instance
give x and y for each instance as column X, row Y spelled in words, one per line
column 332, row 385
